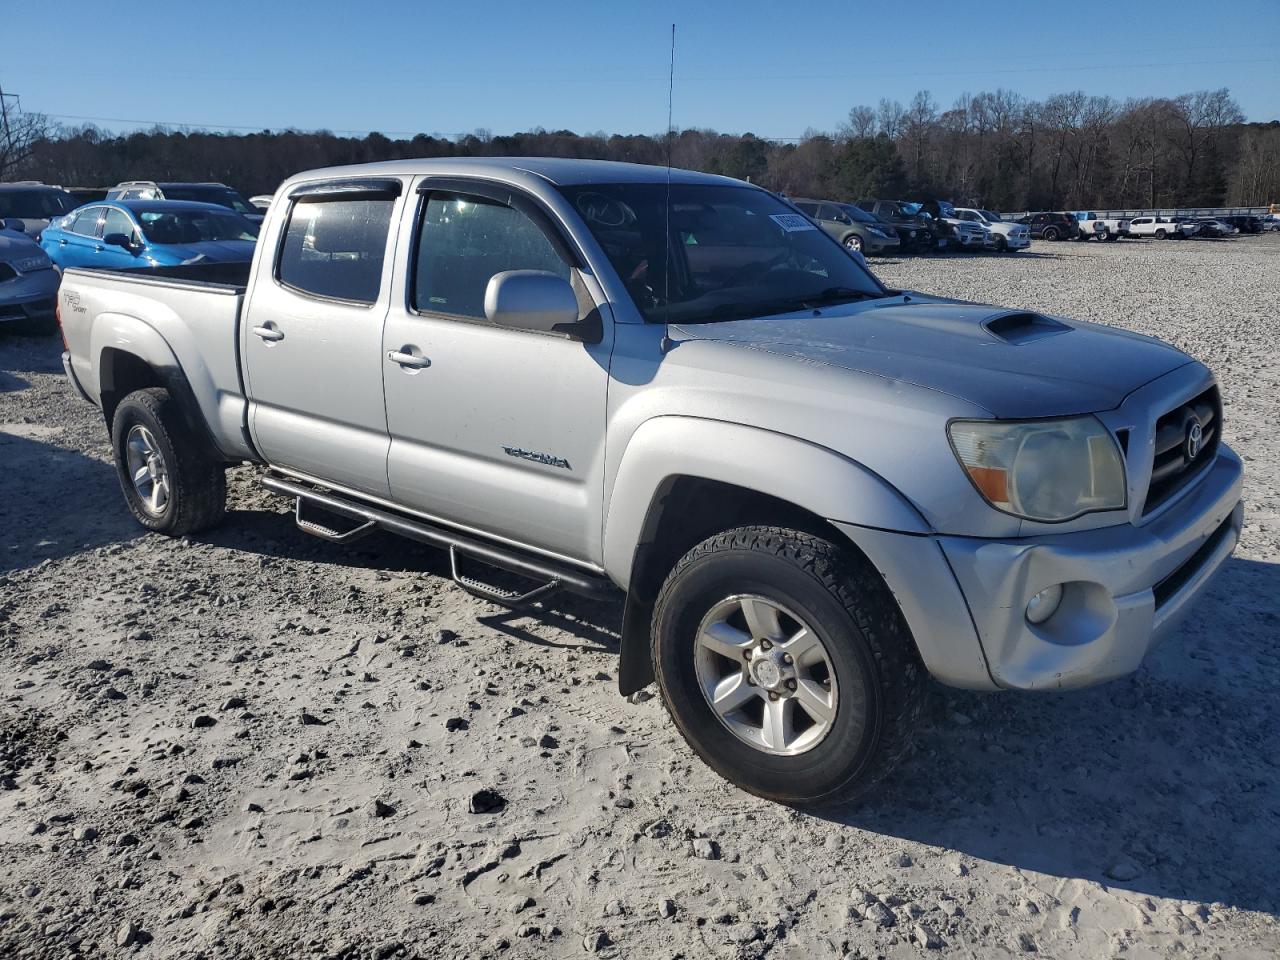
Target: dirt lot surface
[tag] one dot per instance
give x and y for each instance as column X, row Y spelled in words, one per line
column 256, row 744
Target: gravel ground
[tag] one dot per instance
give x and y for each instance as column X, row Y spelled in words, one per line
column 257, row 744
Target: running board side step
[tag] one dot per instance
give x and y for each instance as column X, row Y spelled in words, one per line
column 554, row 575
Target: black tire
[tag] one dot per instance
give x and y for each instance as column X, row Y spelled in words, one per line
column 1103, row 234
column 196, row 486
column 1002, row 244
column 843, row 600
column 1161, row 234
column 1050, row 233
column 853, row 242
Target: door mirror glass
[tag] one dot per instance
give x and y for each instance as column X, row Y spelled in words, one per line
column 530, row 300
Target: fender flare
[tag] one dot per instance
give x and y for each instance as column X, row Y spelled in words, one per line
column 817, row 479
column 129, row 335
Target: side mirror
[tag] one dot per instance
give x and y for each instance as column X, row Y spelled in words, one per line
column 531, row 300
column 13, row 223
column 118, row 240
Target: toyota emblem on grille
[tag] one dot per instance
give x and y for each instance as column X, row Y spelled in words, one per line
column 1195, row 439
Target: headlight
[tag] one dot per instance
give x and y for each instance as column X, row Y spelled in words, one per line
column 1050, row 470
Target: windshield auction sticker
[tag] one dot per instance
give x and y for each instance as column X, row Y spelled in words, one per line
column 791, row 222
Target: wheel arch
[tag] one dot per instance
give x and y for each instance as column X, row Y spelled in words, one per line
column 122, row 371
column 684, row 479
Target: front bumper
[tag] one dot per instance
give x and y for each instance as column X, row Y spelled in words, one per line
column 883, row 244
column 1125, row 588
column 29, row 296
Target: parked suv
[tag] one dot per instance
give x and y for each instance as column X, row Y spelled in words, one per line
column 1244, row 222
column 812, row 490
column 856, row 229
column 914, row 229
column 961, row 232
column 1006, row 236
column 28, row 206
column 217, row 193
column 1051, row 226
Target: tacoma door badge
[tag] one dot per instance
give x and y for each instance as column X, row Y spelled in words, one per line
column 546, row 458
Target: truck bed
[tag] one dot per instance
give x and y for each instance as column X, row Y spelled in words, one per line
column 181, row 321
column 203, row 274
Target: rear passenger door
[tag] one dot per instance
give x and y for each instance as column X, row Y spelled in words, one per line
column 81, row 242
column 494, row 429
column 312, row 334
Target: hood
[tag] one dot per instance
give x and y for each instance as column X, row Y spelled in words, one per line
column 221, row 251
column 17, row 246
column 1011, row 363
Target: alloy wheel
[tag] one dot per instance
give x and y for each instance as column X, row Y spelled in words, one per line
column 766, row 675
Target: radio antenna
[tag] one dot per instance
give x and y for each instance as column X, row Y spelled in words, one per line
column 666, row 272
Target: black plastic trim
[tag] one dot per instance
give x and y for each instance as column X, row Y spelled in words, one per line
column 507, row 558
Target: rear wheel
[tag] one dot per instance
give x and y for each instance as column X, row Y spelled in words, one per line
column 786, row 664
column 169, row 484
column 853, row 242
column 1161, row 234
column 1103, row 234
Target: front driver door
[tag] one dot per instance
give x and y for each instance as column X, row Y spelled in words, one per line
column 312, row 334
column 494, row 429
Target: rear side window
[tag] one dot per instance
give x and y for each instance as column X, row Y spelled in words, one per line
column 88, row 222
column 463, row 241
column 335, row 248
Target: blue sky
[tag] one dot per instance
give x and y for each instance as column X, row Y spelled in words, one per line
column 776, row 69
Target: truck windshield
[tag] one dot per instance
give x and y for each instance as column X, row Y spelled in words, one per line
column 36, row 204
column 716, row 252
column 194, row 226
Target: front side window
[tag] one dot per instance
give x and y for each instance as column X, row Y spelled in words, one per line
column 335, row 248
column 463, row 241
column 697, row 253
column 117, row 221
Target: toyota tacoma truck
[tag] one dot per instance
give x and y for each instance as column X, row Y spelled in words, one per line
column 813, row 491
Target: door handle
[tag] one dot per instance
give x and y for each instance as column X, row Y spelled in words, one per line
column 62, row 243
column 268, row 333
column 408, row 359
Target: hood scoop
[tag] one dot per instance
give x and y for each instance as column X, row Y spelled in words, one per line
column 1018, row 327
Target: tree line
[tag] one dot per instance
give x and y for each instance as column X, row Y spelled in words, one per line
column 995, row 149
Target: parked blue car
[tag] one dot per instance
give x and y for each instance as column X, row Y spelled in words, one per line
column 132, row 234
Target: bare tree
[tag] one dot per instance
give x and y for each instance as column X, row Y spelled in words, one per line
column 889, row 114
column 19, row 133
column 861, row 123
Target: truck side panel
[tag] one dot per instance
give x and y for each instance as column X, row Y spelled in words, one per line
column 177, row 329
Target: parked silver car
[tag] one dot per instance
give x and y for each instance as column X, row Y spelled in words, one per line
column 28, row 284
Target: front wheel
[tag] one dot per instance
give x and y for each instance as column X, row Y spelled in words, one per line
column 853, row 243
column 169, row 484
column 1002, row 244
column 1050, row 233
column 786, row 664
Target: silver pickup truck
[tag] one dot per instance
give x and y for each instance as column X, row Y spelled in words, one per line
column 813, row 491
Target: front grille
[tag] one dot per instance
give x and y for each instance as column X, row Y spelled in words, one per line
column 31, row 310
column 1174, row 467
column 1170, row 585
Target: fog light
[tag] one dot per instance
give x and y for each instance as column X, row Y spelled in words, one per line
column 1044, row 604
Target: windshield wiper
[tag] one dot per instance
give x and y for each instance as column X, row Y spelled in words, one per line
column 834, row 295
